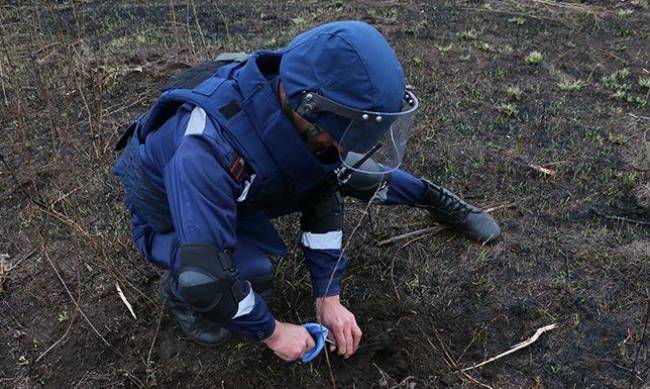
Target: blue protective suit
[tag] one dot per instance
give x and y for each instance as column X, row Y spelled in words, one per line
column 180, row 187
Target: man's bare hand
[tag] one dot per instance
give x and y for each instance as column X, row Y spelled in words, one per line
column 289, row 341
column 341, row 323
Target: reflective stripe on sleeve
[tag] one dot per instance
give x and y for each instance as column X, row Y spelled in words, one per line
column 247, row 186
column 326, row 241
column 196, row 124
column 246, row 305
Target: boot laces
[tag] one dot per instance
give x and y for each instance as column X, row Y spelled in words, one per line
column 453, row 205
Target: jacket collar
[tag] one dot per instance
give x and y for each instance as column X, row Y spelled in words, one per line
column 300, row 167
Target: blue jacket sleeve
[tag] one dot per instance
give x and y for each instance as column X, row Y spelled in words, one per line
column 201, row 196
column 321, row 223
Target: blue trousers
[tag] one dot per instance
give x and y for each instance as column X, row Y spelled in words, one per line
column 256, row 237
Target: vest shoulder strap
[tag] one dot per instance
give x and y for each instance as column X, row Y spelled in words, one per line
column 192, row 77
column 199, row 78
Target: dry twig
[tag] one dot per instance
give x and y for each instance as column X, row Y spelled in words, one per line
column 543, row 170
column 516, row 347
column 574, row 7
column 44, row 353
column 65, row 286
column 424, row 232
column 407, row 235
column 620, row 218
column 155, row 335
column 18, row 262
column 639, row 117
column 124, row 300
column 354, row 231
column 452, row 364
column 494, row 208
column 343, row 250
column 636, row 357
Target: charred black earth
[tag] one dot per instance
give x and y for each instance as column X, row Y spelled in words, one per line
column 535, row 109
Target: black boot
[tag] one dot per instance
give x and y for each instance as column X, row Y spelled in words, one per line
column 193, row 324
column 447, row 208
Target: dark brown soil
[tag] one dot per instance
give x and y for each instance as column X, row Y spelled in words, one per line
column 75, row 74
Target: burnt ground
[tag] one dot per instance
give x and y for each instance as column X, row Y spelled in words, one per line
column 575, row 248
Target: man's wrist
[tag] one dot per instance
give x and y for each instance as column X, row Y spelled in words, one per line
column 328, row 299
column 271, row 339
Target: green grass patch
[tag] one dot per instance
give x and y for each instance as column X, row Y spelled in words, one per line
column 568, row 85
column 534, row 58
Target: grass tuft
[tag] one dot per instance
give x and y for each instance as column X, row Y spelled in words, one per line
column 644, row 82
column 518, row 20
column 534, row 58
column 568, row 85
column 509, row 110
column 514, row 93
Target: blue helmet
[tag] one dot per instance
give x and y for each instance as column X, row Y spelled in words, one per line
column 345, row 77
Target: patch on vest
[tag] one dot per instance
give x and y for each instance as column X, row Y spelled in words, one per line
column 229, row 110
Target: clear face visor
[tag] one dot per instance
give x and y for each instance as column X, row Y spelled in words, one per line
column 374, row 142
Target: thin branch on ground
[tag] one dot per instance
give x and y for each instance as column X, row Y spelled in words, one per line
column 225, row 25
column 471, row 342
column 542, row 169
column 65, row 220
column 198, row 27
column 432, row 230
column 124, row 300
column 496, row 207
column 402, row 382
column 65, row 286
column 639, row 117
column 354, row 231
column 585, row 8
column 435, row 231
column 406, row 235
column 620, row 218
column 19, row 186
column 392, row 263
column 384, row 377
column 63, row 197
column 2, row 85
column 329, row 367
column 189, row 35
column 155, row 335
column 15, row 264
column 638, row 349
column 507, row 12
column 65, row 334
column 516, row 347
column 338, row 261
column 392, row 276
column 452, row 364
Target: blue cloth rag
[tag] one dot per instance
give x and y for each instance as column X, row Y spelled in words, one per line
column 319, row 333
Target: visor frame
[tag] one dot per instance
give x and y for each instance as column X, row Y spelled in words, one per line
column 313, row 103
column 383, row 131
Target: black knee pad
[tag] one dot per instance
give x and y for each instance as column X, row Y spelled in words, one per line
column 209, row 282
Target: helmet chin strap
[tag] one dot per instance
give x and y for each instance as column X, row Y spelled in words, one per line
column 311, row 131
column 307, row 130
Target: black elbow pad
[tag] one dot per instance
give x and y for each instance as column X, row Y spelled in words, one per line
column 209, row 282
